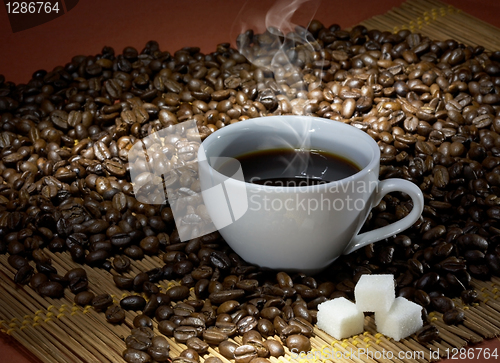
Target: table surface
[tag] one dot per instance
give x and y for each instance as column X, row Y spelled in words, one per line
column 92, row 24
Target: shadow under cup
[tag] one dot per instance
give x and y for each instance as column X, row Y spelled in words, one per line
column 301, row 228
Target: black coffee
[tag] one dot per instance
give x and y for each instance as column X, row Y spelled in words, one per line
column 291, row 167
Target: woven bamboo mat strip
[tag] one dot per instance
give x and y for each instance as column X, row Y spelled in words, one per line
column 439, row 21
column 57, row 331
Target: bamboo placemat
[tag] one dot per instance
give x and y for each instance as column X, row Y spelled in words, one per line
column 439, row 21
column 59, row 331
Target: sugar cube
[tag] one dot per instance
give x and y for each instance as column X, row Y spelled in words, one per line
column 375, row 293
column 403, row 319
column 340, row 318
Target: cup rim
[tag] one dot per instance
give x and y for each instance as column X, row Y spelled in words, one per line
column 372, row 164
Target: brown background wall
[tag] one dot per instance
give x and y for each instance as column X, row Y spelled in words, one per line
column 91, row 24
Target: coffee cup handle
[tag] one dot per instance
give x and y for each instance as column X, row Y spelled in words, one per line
column 384, row 187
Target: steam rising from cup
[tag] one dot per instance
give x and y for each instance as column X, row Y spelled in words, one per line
column 281, row 50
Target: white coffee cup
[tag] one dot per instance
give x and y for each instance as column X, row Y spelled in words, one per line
column 297, row 228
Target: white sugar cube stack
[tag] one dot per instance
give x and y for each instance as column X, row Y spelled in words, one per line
column 395, row 317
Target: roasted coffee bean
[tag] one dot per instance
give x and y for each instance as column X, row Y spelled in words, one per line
column 160, row 342
column 133, row 302
column 183, row 309
column 15, row 248
column 46, row 268
column 158, row 353
column 214, row 336
column 298, row 343
column 121, row 240
column 228, row 307
column 96, row 258
column 469, row 296
column 326, row 288
column 177, row 293
column 134, row 252
column 284, row 280
column 151, row 306
column 51, row 289
column 136, row 356
column 194, row 322
column 246, row 324
column 473, row 241
column 245, row 353
column 272, row 301
column 17, row 261
column 220, row 260
column 182, row 268
column 227, row 328
column 183, row 333
column 306, row 328
column 251, row 335
column 227, row 349
column 75, row 273
column 102, row 301
column 274, row 347
column 163, row 312
column 222, row 296
column 270, row 313
column 167, row 327
column 252, row 310
column 427, row 281
column 126, row 283
column 300, row 310
column 249, row 285
column 190, row 354
column 144, row 331
column 37, row 279
column 84, row 298
column 58, row 278
column 453, row 264
column 141, row 321
column 150, row 288
column 197, row 345
column 162, row 299
column 289, row 330
column 121, row 263
column 428, row 333
column 421, row 298
column 442, row 303
column 115, row 315
column 78, row 284
column 453, row 316
column 279, row 324
column 24, row 274
column 202, row 272
column 265, row 327
column 239, row 315
column 77, row 253
column 139, row 281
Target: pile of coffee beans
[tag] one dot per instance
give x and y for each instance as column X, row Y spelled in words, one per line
column 65, row 136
